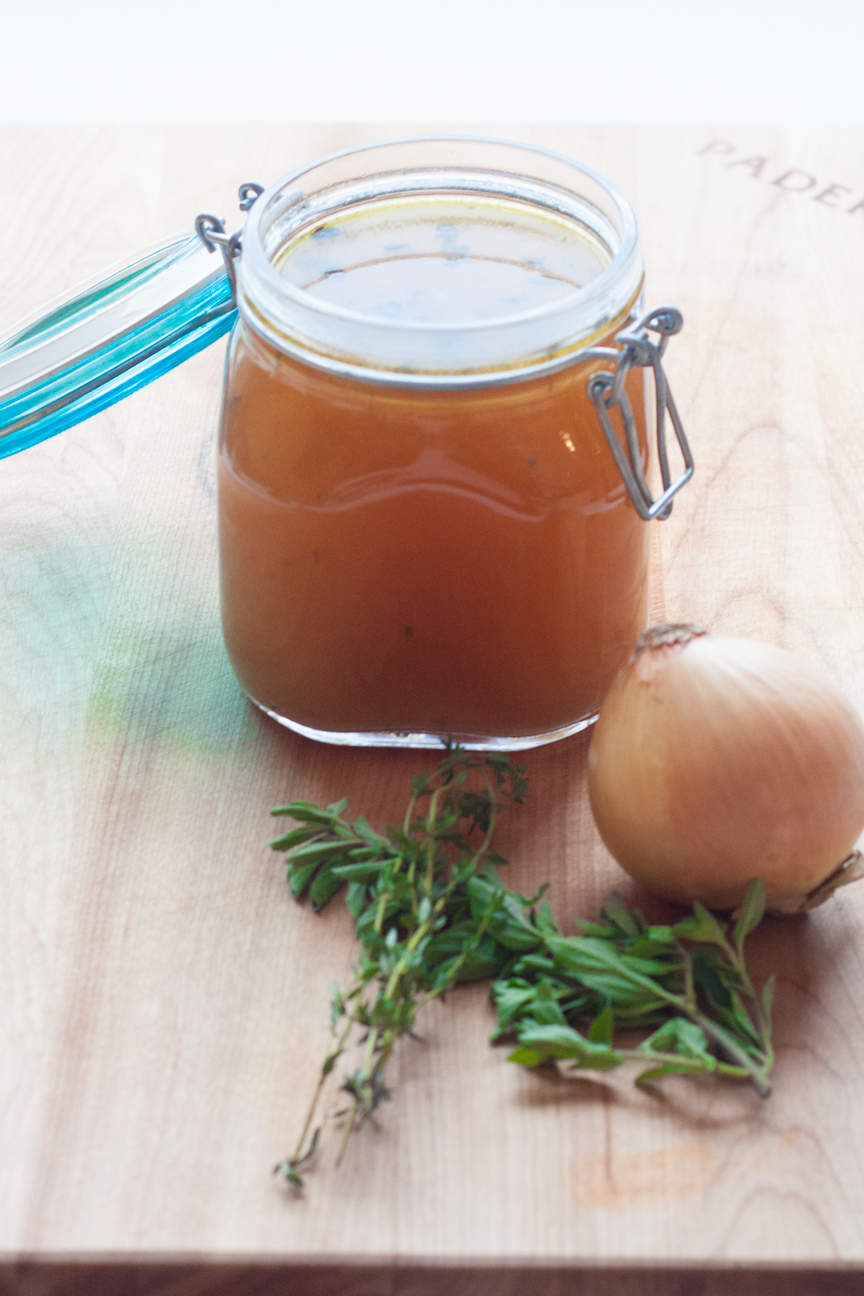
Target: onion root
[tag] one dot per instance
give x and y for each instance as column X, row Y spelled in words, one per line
column 851, row 870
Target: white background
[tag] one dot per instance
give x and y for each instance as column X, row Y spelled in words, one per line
column 799, row 62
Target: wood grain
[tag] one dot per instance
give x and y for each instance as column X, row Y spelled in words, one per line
column 164, row 1002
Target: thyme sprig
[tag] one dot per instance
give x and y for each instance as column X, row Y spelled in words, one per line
column 410, row 894
column 430, row 911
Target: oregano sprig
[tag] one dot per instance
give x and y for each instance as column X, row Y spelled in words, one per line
column 688, row 980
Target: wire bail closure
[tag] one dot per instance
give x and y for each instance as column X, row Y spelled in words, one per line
column 607, row 391
column 211, row 231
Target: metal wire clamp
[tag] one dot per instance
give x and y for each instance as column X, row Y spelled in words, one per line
column 211, row 231
column 607, row 391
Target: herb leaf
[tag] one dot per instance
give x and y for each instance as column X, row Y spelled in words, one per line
column 751, row 913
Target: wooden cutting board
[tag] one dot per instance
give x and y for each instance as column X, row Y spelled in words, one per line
column 164, row 1001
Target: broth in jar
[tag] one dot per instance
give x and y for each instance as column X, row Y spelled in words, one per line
column 405, row 558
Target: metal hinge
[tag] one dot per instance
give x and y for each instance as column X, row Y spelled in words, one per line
column 211, row 231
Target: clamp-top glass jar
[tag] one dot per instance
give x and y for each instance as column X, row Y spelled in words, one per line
column 424, row 528
column 434, row 445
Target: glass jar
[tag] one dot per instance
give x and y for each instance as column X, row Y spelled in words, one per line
column 424, row 532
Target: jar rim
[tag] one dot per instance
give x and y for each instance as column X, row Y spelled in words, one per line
column 262, row 288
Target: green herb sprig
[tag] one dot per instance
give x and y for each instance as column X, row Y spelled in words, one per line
column 689, row 980
column 430, row 911
column 410, row 893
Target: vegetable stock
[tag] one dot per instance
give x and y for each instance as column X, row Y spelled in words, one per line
column 405, row 559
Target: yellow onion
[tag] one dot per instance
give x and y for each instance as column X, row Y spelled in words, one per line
column 716, row 760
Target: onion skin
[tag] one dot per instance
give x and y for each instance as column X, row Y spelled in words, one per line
column 716, row 760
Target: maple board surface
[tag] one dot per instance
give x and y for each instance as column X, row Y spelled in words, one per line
column 164, row 1002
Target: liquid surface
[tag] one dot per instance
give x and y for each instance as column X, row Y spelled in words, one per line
column 443, row 259
column 400, row 560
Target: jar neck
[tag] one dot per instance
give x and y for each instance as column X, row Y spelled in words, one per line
column 484, row 208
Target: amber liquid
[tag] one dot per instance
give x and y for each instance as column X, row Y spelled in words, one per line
column 400, row 560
